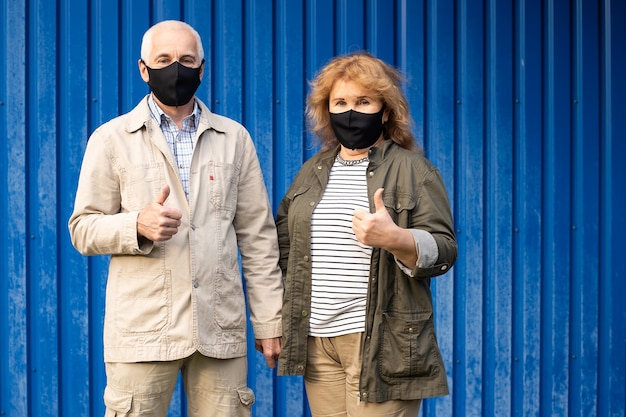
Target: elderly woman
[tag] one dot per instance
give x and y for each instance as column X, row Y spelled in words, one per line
column 364, row 226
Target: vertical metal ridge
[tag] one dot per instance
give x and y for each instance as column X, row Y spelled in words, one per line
column 612, row 315
column 557, row 218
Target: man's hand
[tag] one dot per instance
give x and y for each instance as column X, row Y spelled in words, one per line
column 270, row 348
column 157, row 222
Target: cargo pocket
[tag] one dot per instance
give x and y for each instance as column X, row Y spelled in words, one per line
column 407, row 347
column 118, row 402
column 246, row 397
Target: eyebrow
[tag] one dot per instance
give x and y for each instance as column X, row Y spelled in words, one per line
column 167, row 55
column 358, row 97
column 163, row 55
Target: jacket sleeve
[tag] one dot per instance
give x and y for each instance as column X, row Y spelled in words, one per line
column 97, row 226
column 282, row 227
column 433, row 216
column 258, row 245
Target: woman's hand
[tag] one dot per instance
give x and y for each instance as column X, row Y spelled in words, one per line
column 379, row 231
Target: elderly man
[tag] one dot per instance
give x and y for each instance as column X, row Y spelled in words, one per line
column 172, row 191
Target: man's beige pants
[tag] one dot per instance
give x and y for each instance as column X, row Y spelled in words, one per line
column 214, row 387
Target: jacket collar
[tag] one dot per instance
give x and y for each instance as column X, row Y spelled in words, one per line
column 140, row 116
column 377, row 154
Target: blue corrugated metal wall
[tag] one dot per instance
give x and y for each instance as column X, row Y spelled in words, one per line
column 521, row 104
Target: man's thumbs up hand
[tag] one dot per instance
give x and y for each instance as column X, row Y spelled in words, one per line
column 165, row 192
column 157, row 222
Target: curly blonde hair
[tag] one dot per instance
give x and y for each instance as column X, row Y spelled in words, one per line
column 372, row 74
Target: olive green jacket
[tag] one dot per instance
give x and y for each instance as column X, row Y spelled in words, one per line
column 400, row 354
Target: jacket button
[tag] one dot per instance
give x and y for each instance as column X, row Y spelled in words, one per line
column 306, row 258
column 312, row 203
column 444, row 267
column 319, row 167
column 300, row 368
column 371, row 173
column 305, row 313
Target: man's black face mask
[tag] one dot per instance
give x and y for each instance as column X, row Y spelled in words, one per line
column 175, row 84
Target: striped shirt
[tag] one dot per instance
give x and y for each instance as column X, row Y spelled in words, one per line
column 181, row 141
column 340, row 264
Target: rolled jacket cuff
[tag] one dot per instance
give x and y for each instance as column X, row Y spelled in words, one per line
column 427, row 252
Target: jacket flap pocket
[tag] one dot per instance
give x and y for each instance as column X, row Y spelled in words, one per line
column 398, row 201
column 301, row 190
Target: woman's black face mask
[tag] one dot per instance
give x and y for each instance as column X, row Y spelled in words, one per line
column 356, row 130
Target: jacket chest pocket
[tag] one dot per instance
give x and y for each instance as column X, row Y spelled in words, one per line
column 141, row 184
column 302, row 202
column 222, row 186
column 399, row 205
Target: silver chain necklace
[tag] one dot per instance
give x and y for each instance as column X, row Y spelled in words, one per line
column 350, row 162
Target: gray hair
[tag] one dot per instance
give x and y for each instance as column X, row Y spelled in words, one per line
column 146, row 42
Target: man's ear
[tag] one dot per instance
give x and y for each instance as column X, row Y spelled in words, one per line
column 143, row 70
column 201, row 68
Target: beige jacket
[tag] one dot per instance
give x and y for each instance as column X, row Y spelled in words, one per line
column 166, row 300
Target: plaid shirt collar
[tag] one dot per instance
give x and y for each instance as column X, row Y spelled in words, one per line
column 159, row 115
